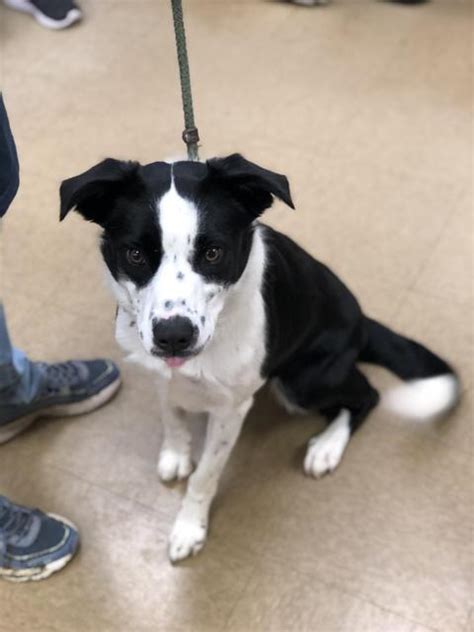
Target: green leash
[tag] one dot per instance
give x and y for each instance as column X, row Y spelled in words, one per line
column 190, row 135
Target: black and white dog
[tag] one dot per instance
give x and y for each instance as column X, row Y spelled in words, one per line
column 217, row 303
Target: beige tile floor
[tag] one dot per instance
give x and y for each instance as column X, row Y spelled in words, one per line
column 367, row 107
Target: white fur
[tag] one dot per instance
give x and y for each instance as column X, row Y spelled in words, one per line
column 425, row 398
column 220, row 381
column 175, row 456
column 174, row 465
column 325, row 451
column 187, row 538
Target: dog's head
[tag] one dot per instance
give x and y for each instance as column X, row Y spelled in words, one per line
column 176, row 238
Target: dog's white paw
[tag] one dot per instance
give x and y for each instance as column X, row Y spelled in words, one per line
column 187, row 538
column 173, row 465
column 325, row 451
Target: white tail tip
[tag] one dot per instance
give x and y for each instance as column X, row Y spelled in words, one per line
column 425, row 398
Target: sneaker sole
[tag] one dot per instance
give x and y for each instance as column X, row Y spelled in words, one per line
column 36, row 574
column 74, row 15
column 61, row 410
column 310, row 3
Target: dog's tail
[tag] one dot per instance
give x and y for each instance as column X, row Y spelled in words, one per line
column 432, row 386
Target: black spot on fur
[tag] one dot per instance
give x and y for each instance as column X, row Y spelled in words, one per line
column 203, row 320
column 132, row 323
column 180, row 276
column 168, row 304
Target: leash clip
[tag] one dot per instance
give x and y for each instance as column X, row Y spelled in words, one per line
column 191, row 136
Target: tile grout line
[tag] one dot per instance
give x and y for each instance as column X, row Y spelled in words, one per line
column 335, row 585
column 163, row 532
column 358, row 596
column 240, row 597
column 436, row 242
column 95, row 485
column 469, row 615
column 411, row 288
column 439, row 297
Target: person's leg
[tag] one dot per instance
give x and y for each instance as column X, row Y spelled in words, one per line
column 34, row 544
column 20, row 379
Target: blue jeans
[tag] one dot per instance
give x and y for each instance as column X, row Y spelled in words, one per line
column 20, row 379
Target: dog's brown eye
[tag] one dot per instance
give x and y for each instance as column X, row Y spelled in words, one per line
column 135, row 257
column 213, row 255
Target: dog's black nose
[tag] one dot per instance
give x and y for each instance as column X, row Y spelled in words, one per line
column 174, row 335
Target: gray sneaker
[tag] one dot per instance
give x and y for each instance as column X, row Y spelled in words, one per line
column 69, row 388
column 33, row 545
column 310, row 3
column 53, row 14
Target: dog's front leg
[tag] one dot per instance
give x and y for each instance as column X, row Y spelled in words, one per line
column 174, row 461
column 190, row 529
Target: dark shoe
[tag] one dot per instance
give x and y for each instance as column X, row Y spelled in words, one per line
column 310, row 3
column 33, row 545
column 53, row 14
column 70, row 388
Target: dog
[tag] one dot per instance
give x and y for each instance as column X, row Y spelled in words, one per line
column 217, row 303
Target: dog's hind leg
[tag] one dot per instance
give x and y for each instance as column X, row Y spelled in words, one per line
column 325, row 450
column 345, row 404
column 346, row 408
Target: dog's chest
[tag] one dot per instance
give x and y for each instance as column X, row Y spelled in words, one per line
column 223, row 376
column 195, row 395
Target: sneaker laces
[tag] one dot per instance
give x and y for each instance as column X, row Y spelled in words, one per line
column 15, row 523
column 61, row 376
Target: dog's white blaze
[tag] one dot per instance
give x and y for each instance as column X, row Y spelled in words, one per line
column 178, row 220
column 173, row 289
column 176, row 289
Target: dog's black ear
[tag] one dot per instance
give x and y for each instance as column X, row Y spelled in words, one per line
column 252, row 185
column 94, row 192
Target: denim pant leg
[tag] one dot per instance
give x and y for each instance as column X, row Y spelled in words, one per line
column 20, row 379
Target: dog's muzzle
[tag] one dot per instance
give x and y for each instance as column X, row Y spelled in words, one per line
column 174, row 337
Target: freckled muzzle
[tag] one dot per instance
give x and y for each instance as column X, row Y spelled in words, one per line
column 173, row 337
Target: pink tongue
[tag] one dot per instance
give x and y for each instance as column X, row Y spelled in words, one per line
column 174, row 363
